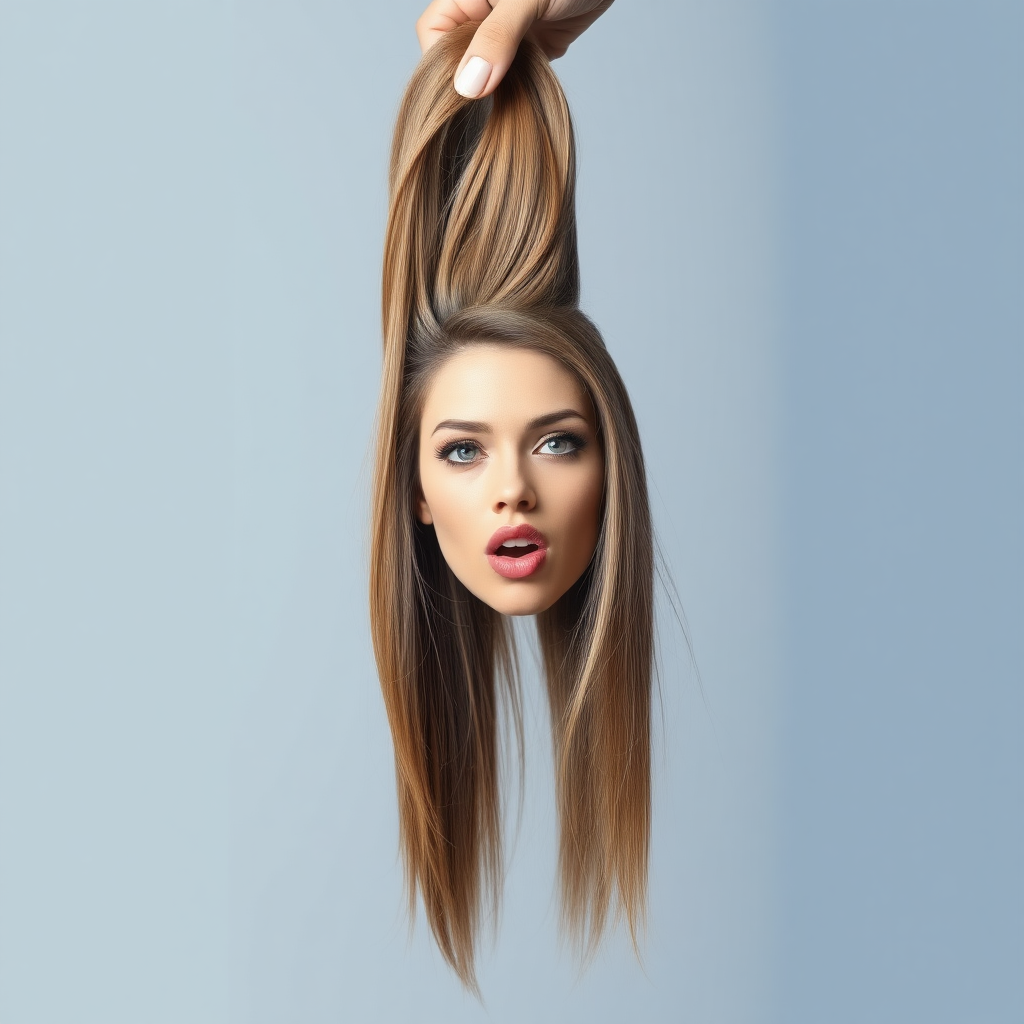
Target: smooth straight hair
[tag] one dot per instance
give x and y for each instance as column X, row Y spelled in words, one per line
column 481, row 247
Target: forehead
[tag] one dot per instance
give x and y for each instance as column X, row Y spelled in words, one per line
column 502, row 383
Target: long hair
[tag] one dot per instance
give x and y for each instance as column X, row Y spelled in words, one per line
column 481, row 247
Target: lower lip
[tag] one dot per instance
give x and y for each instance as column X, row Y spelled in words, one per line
column 518, row 568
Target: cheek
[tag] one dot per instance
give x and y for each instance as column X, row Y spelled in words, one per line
column 581, row 507
column 443, row 499
column 431, row 495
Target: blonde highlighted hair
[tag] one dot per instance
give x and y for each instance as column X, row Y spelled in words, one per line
column 481, row 247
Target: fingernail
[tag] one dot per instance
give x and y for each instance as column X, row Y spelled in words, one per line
column 470, row 81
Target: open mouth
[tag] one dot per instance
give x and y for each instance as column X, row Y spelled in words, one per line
column 516, row 549
column 517, row 552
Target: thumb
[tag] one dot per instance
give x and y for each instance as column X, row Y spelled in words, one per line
column 494, row 46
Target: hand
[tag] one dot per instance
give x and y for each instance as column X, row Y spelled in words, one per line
column 553, row 24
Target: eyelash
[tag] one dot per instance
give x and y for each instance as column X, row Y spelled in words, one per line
column 578, row 443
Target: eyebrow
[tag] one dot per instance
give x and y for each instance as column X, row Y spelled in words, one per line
column 476, row 427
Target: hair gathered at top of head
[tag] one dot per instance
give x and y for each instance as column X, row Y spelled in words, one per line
column 482, row 195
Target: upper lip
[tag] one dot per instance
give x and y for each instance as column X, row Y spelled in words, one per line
column 521, row 532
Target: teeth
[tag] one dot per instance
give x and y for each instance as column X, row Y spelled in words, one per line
column 517, row 543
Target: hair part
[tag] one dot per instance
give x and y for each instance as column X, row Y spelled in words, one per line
column 481, row 247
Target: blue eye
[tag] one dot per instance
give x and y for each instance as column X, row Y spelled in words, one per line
column 562, row 444
column 459, row 452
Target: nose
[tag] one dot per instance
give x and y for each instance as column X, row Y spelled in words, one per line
column 513, row 489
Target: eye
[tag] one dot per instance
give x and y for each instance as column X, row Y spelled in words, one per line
column 458, row 453
column 562, row 444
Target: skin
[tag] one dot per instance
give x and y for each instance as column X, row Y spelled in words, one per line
column 507, row 471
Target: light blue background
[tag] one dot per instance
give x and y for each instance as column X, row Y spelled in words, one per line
column 802, row 233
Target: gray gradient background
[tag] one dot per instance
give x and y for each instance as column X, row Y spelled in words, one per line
column 802, row 232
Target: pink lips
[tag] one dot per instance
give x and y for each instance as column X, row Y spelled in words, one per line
column 516, row 567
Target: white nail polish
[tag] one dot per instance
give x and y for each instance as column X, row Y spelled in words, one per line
column 471, row 80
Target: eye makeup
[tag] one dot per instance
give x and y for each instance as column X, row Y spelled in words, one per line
column 577, row 441
column 444, row 452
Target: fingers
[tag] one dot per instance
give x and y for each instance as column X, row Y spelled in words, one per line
column 494, row 46
column 444, row 15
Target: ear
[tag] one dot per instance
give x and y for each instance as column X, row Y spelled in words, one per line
column 423, row 510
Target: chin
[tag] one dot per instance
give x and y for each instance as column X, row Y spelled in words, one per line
column 515, row 600
column 519, row 600
column 521, row 607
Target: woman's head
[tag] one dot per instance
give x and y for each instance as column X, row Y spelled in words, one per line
column 501, row 408
column 511, row 474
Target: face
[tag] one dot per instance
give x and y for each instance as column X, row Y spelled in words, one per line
column 511, row 475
